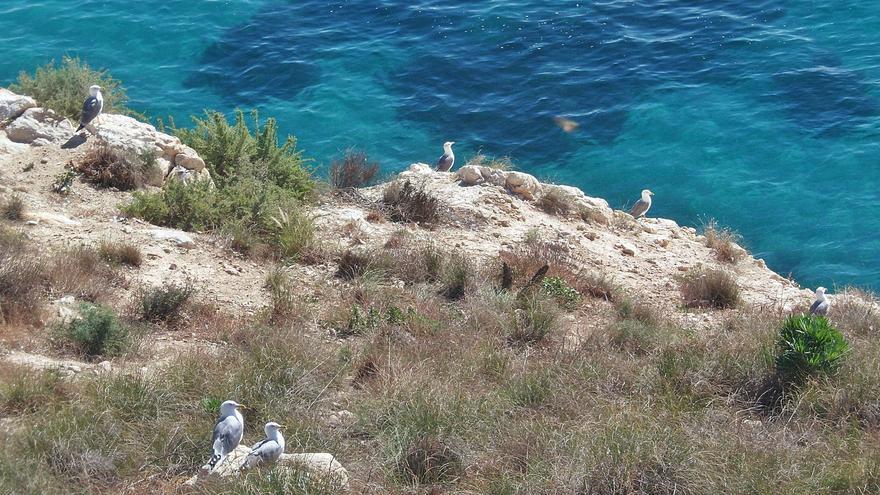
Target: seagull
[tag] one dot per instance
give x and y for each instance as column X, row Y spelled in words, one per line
column 227, row 434
column 643, row 205
column 91, row 107
column 268, row 450
column 448, row 159
column 820, row 306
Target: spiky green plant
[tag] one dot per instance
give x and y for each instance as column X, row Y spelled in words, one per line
column 809, row 346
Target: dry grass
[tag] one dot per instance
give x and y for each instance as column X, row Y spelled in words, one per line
column 856, row 313
column 120, row 253
column 13, row 209
column 498, row 163
column 556, row 202
column 407, row 202
column 354, row 170
column 724, row 242
column 709, row 288
column 107, row 168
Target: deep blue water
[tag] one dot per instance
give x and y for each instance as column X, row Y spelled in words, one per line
column 760, row 114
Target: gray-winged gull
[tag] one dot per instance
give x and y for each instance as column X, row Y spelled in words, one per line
column 447, row 160
column 91, row 107
column 268, row 450
column 820, row 306
column 643, row 205
column 227, row 434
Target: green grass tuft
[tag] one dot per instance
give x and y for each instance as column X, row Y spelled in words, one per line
column 809, row 346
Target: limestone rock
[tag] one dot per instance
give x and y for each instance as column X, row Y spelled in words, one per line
column 189, row 176
column 470, row 175
column 319, row 465
column 178, row 237
column 39, row 124
column 13, row 105
column 420, row 168
column 189, row 159
column 523, row 185
column 8, row 147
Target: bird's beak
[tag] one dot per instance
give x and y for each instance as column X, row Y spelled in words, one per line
column 281, row 426
column 242, row 406
column 451, row 143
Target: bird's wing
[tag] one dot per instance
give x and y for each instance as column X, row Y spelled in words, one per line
column 227, row 435
column 91, row 109
column 819, row 308
column 263, row 452
column 639, row 208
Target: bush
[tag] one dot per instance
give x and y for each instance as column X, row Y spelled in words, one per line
column 164, row 304
column 409, row 203
column 293, row 234
column 724, row 242
column 98, row 332
column 64, row 181
column 107, row 168
column 120, row 253
column 709, row 288
column 809, row 346
column 236, row 152
column 557, row 202
column 558, row 288
column 354, row 170
column 13, row 209
column 457, row 277
column 64, row 87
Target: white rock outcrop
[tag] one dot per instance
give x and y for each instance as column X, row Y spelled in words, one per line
column 13, row 105
column 134, row 139
column 178, row 237
column 39, row 126
column 320, row 465
column 8, row 147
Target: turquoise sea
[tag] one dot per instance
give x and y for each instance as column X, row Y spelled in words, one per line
column 762, row 114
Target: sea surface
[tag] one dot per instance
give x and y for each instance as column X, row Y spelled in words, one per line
column 761, row 114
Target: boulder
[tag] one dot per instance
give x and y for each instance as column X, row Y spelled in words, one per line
column 178, row 237
column 319, row 465
column 13, row 105
column 420, row 168
column 522, row 184
column 190, row 160
column 188, row 176
column 470, row 175
column 39, row 124
column 8, row 147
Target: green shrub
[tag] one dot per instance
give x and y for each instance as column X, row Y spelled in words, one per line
column 233, row 151
column 97, row 332
column 64, row 87
column 559, row 289
column 164, row 304
column 809, row 346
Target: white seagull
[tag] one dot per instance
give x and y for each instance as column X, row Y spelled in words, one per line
column 820, row 306
column 643, row 205
column 227, row 434
column 91, row 107
column 447, row 160
column 268, row 450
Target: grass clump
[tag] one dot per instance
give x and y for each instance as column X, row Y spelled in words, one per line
column 430, row 460
column 709, row 288
column 164, row 304
column 63, row 87
column 457, row 276
column 120, row 253
column 535, row 318
column 724, row 242
column 13, row 209
column 97, row 332
column 557, row 202
column 108, row 168
column 354, row 170
column 809, row 346
column 498, row 163
column 409, row 203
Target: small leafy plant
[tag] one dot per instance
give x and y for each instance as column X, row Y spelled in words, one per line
column 558, row 288
column 809, row 346
column 98, row 332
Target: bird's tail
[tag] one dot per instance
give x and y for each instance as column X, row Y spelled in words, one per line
column 81, row 127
